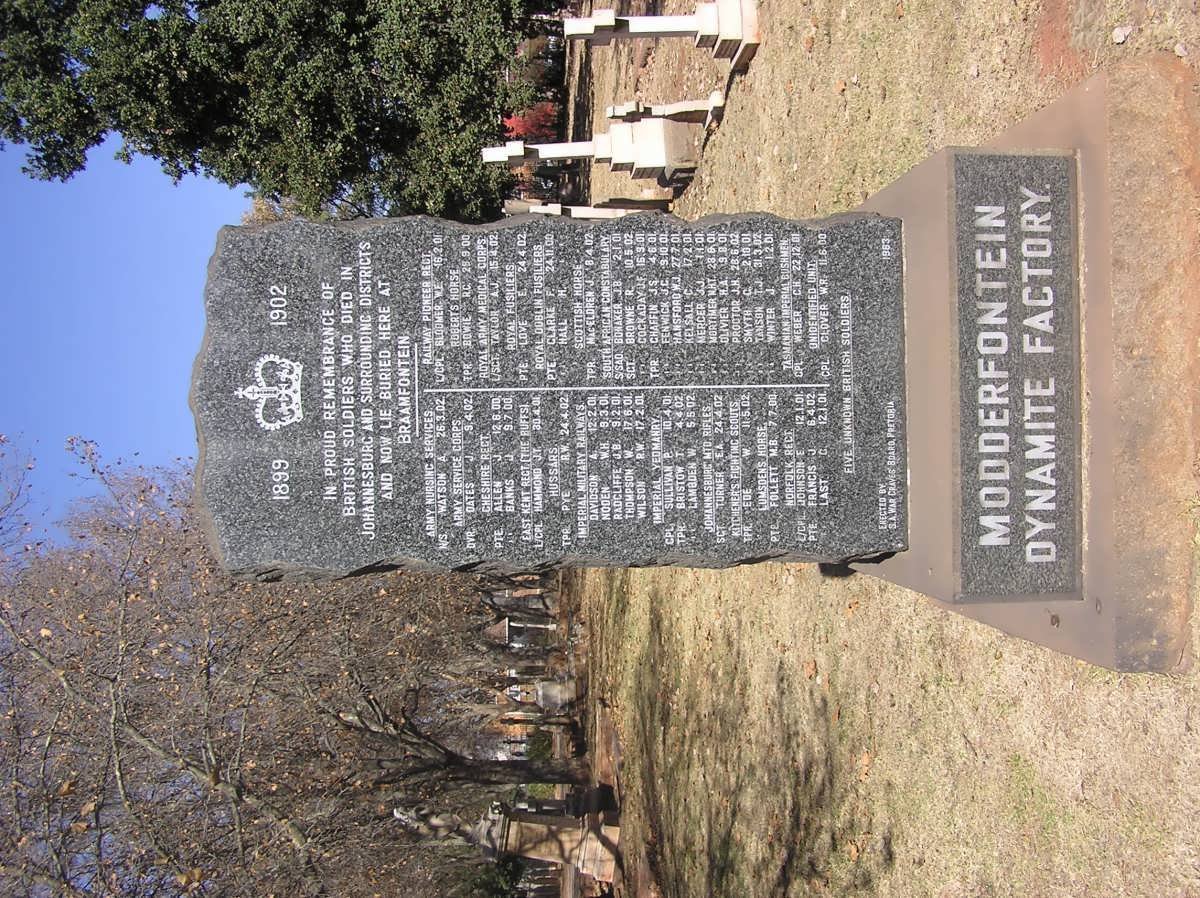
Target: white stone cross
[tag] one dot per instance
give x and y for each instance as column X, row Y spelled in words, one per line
column 647, row 148
column 707, row 111
column 524, row 207
column 728, row 27
column 517, row 152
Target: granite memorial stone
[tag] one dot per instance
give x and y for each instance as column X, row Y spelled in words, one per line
column 643, row 391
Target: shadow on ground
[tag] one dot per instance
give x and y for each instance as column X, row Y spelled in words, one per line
column 723, row 813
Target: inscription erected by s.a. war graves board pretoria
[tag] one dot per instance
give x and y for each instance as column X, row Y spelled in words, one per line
column 1019, row 376
column 633, row 392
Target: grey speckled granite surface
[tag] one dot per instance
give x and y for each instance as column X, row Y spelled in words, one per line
column 1018, row 358
column 642, row 391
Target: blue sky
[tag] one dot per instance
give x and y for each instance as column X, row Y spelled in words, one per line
column 103, row 281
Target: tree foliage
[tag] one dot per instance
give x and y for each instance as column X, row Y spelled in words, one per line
column 537, row 123
column 363, row 106
column 165, row 730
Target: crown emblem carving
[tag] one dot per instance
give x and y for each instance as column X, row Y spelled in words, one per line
column 276, row 391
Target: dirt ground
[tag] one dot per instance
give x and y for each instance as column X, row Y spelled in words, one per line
column 789, row 734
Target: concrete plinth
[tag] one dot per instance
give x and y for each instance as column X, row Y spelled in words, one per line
column 1130, row 136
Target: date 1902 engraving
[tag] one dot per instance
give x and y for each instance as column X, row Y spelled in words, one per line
column 277, row 301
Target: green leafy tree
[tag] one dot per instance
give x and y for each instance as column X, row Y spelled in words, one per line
column 356, row 107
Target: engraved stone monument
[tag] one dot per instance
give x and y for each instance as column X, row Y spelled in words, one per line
column 643, row 391
column 980, row 386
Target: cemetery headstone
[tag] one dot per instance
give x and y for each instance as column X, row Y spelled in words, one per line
column 645, row 147
column 729, row 28
column 640, row 391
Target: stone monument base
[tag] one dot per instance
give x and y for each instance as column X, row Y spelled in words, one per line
column 1134, row 133
column 599, row 848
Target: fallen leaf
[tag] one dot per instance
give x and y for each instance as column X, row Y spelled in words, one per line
column 841, row 86
column 899, row 10
column 808, row 43
column 79, row 826
column 810, row 669
column 865, row 761
column 87, row 809
column 851, row 607
column 66, row 788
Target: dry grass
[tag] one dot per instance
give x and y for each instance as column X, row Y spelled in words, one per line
column 843, row 97
column 789, row 734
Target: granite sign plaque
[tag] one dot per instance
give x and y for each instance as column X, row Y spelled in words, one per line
column 1018, row 338
column 640, row 391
